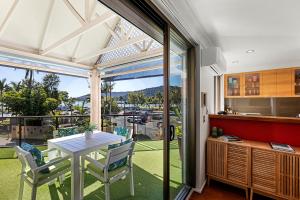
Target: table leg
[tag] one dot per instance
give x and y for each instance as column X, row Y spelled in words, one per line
column 75, row 182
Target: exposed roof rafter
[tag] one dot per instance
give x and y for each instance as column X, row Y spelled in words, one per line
column 120, row 45
column 74, row 55
column 43, row 69
column 134, row 58
column 133, row 71
column 80, row 31
column 34, row 55
column 7, row 17
column 45, row 30
column 74, row 12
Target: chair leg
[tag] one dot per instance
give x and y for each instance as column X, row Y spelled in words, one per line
column 21, row 187
column 107, row 194
column 33, row 192
column 251, row 194
column 82, row 178
column 247, row 193
column 131, row 183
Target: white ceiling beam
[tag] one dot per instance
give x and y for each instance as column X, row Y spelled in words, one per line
column 120, row 45
column 87, row 9
column 8, row 16
column 35, row 56
column 93, row 9
column 131, row 59
column 149, row 45
column 74, row 12
column 87, row 27
column 112, row 32
column 45, row 30
column 74, row 55
column 43, row 69
column 133, row 71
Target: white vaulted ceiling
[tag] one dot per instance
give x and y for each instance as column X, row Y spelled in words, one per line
column 270, row 27
column 39, row 34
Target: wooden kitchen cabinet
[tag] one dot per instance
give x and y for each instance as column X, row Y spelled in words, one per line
column 296, row 82
column 284, row 82
column 252, row 84
column 234, row 85
column 269, row 83
column 255, row 166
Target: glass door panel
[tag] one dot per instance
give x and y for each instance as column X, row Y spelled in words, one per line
column 297, row 82
column 252, row 84
column 177, row 114
column 234, row 86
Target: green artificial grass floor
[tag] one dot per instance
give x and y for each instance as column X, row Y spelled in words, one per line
column 148, row 173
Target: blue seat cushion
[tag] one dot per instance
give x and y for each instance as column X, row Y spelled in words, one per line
column 36, row 154
column 118, row 163
column 62, row 132
column 122, row 131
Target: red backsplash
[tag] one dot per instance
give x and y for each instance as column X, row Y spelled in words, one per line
column 285, row 133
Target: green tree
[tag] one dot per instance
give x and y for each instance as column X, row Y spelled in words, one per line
column 30, row 98
column 159, row 99
column 133, row 98
column 51, row 104
column 50, row 84
column 175, row 97
column 15, row 85
column 3, row 86
column 70, row 103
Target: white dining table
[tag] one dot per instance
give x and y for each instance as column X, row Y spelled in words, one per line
column 78, row 145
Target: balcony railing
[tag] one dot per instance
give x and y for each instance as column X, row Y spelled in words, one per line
column 34, row 129
column 37, row 129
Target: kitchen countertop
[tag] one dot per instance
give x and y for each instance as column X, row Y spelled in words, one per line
column 291, row 120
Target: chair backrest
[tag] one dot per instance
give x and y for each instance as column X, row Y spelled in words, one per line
column 26, row 158
column 67, row 131
column 123, row 131
column 116, row 154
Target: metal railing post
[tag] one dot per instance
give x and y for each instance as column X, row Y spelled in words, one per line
column 20, row 131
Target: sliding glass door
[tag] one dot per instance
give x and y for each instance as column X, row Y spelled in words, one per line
column 172, row 161
column 177, row 115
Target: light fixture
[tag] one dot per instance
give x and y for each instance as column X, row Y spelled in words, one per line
column 250, row 51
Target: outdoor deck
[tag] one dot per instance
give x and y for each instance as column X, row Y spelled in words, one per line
column 148, row 172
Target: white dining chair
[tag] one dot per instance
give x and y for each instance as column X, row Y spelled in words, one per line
column 107, row 170
column 33, row 175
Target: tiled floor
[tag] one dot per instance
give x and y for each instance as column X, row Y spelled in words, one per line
column 220, row 191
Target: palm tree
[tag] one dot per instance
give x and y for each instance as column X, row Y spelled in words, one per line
column 160, row 99
column 29, row 77
column 111, row 87
column 105, row 89
column 3, row 86
column 15, row 85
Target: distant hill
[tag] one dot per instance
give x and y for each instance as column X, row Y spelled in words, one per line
column 148, row 92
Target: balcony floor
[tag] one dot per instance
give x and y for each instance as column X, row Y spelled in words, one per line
column 148, row 172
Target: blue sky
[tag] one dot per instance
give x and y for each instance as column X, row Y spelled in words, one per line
column 79, row 86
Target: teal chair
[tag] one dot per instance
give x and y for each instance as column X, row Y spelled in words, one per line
column 123, row 131
column 114, row 167
column 36, row 175
column 62, row 132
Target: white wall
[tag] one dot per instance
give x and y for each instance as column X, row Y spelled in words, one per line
column 205, row 83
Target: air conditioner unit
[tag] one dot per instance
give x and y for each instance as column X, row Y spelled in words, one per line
column 213, row 57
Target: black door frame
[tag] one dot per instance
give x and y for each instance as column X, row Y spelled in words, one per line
column 143, row 13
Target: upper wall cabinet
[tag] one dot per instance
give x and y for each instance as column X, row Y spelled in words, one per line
column 284, row 82
column 297, row 82
column 269, row 83
column 253, row 84
column 234, row 85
